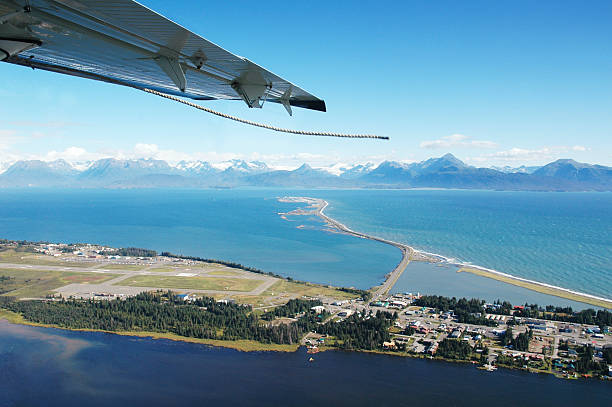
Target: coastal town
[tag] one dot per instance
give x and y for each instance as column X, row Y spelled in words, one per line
column 553, row 346
column 488, row 335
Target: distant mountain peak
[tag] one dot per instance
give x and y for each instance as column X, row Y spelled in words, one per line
column 238, row 165
column 446, row 171
column 303, row 168
column 391, row 164
column 118, row 169
column 57, row 165
column 566, row 161
column 516, row 170
column 452, row 159
column 446, row 163
column 38, row 173
column 195, row 167
column 351, row 171
column 572, row 170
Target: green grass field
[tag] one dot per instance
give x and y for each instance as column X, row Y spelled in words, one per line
column 196, row 283
column 19, row 257
column 35, row 284
column 168, row 270
column 309, row 290
column 225, row 272
column 282, row 291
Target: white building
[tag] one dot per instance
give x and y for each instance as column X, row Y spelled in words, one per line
column 318, row 309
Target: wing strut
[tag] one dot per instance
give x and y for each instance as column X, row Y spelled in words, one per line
column 265, row 126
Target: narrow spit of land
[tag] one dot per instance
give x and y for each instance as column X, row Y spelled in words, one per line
column 539, row 287
column 317, row 207
column 394, row 275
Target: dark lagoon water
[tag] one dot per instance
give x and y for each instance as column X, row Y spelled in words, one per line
column 51, row 367
column 563, row 239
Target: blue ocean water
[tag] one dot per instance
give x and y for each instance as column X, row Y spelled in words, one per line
column 563, row 239
column 50, row 367
column 236, row 225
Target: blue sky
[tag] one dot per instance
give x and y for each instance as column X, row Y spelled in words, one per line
column 495, row 83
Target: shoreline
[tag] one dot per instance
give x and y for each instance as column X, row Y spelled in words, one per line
column 394, row 275
column 537, row 286
column 246, row 345
column 318, row 206
column 242, row 345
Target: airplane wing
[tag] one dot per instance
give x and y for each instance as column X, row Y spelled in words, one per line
column 125, row 43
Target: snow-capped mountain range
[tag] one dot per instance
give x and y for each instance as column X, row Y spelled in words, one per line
column 196, row 167
column 442, row 172
column 523, row 169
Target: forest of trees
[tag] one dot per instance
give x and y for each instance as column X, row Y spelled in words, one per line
column 521, row 342
column 505, row 308
column 204, row 318
column 21, row 243
column 160, row 312
column 563, row 314
column 291, row 309
column 467, row 318
column 588, row 316
column 361, row 332
column 466, row 311
column 442, row 303
column 586, row 364
column 607, row 355
column 454, row 349
column 131, row 251
column 409, row 330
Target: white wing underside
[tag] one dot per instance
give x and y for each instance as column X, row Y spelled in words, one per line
column 123, row 42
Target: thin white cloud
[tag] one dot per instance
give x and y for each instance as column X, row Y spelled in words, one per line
column 8, row 138
column 142, row 150
column 528, row 156
column 457, row 140
column 72, row 154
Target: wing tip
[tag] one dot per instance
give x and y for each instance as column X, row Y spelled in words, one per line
column 314, row 104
